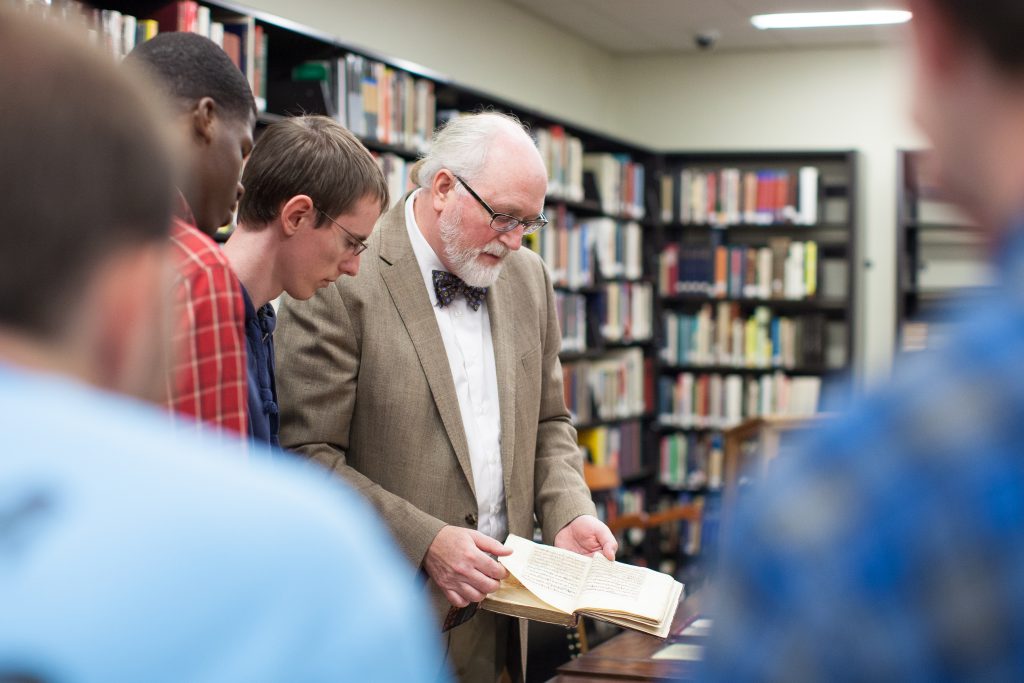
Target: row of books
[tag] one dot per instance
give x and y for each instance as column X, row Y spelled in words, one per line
column 577, row 251
column 378, row 102
column 118, row 33
column 244, row 41
column 624, row 311
column 563, row 157
column 572, row 319
column 619, row 181
column 691, row 461
column 720, row 335
column 629, row 500
column 617, row 447
column 730, row 196
column 721, row 401
column 608, row 388
column 396, row 171
column 618, row 246
column 786, row 269
column 686, row 540
column 617, row 312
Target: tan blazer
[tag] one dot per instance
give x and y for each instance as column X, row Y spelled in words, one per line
column 366, row 390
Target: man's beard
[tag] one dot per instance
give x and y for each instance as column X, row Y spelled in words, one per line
column 464, row 259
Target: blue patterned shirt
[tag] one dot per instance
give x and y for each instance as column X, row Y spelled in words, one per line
column 891, row 548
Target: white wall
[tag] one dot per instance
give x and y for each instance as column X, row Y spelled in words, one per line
column 807, row 99
column 485, row 44
column 853, row 98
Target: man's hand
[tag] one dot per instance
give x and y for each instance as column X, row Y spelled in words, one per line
column 457, row 560
column 587, row 535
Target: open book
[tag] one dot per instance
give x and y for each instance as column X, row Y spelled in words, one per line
column 554, row 585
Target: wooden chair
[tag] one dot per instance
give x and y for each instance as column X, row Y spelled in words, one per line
column 602, row 479
column 750, row 447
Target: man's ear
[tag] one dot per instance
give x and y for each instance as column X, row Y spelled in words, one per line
column 294, row 211
column 442, row 189
column 203, row 115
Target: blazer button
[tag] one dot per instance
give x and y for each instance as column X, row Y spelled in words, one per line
column 471, row 519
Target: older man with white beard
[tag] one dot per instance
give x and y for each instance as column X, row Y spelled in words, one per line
column 431, row 382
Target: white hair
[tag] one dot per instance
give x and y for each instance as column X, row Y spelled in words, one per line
column 462, row 145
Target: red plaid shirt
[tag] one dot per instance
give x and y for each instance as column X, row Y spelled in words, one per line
column 208, row 373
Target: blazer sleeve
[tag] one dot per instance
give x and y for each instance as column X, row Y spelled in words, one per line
column 317, row 355
column 561, row 493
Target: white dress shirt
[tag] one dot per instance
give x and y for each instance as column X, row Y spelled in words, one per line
column 467, row 342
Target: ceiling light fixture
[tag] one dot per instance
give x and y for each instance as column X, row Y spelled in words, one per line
column 871, row 17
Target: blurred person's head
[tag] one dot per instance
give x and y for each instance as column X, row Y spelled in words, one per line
column 969, row 100
column 214, row 110
column 88, row 194
column 313, row 195
column 493, row 156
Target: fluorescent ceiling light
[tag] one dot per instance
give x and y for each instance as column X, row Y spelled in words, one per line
column 869, row 17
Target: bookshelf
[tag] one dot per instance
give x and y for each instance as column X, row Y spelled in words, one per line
column 596, row 200
column 596, row 248
column 615, row 207
column 940, row 256
column 756, row 306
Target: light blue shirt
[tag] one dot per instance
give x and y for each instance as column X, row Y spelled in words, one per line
column 132, row 552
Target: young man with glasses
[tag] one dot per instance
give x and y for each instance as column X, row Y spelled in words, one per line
column 313, row 194
column 432, row 381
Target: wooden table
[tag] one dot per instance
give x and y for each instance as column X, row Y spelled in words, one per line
column 627, row 656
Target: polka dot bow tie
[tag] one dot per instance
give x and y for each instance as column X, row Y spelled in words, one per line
column 448, row 286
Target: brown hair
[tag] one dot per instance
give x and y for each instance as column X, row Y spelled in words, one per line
column 311, row 155
column 996, row 25
column 84, row 168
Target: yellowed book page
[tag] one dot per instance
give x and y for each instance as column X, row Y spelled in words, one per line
column 511, row 591
column 626, row 622
column 552, row 574
column 617, row 587
column 660, row 629
column 513, row 599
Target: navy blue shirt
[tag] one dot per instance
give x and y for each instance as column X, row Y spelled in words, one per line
column 264, row 419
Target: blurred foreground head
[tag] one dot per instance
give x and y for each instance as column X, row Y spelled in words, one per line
column 87, row 196
column 969, row 100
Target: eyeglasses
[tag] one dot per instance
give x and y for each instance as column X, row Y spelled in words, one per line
column 357, row 245
column 503, row 222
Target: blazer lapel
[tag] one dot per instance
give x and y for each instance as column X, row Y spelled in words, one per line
column 401, row 275
column 501, row 309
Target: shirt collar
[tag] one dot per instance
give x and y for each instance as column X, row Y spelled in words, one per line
column 426, row 258
column 264, row 318
column 183, row 211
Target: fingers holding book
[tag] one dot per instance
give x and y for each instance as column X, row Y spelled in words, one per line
column 460, row 563
column 587, row 535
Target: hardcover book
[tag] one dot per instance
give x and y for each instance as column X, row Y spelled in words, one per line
column 558, row 586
